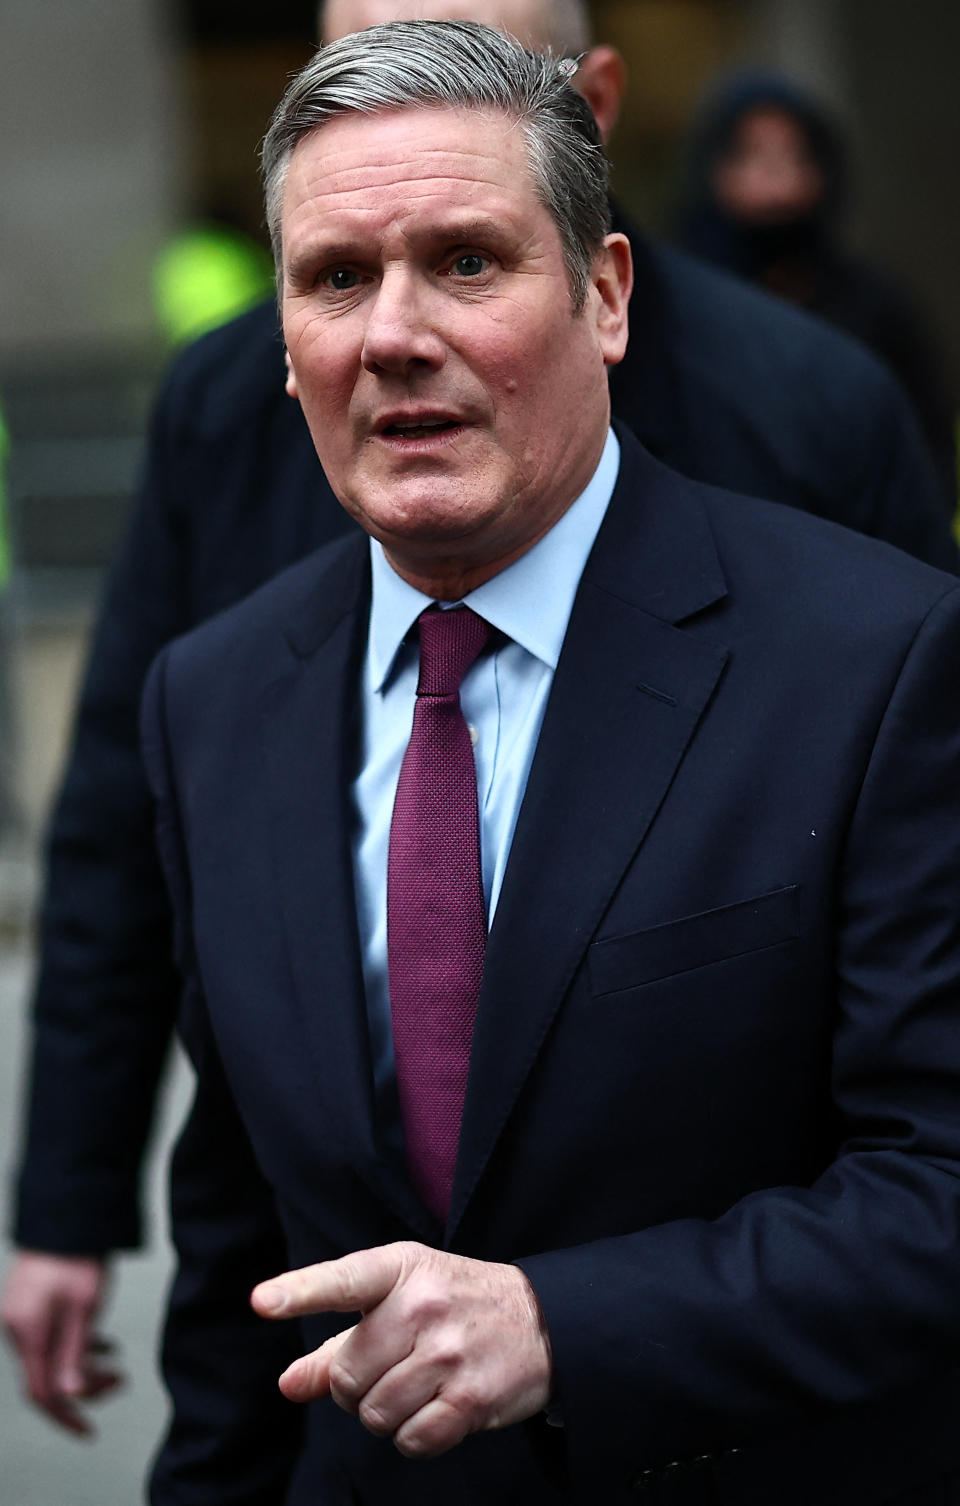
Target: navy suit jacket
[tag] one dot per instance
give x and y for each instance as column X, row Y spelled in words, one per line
column 721, row 382
column 714, row 1097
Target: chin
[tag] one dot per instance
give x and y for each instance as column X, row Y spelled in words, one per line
column 432, row 520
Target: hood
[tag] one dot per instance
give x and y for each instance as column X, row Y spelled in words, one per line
column 704, row 228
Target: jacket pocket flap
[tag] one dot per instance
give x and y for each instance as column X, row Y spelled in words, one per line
column 678, row 946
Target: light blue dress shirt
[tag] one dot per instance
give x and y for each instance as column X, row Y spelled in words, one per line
column 503, row 696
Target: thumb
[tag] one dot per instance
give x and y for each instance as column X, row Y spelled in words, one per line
column 309, row 1377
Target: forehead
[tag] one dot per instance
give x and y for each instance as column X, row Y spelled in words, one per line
column 407, row 166
column 770, row 123
column 523, row 18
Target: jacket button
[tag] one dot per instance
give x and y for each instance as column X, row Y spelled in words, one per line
column 650, row 1477
column 667, row 1472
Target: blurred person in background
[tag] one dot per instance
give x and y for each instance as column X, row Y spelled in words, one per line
column 15, row 899
column 208, row 272
column 768, row 184
column 722, row 384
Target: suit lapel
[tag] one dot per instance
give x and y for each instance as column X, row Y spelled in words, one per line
column 628, row 694
column 308, row 730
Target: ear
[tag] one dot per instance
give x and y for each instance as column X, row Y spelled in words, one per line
column 290, row 385
column 612, row 280
column 602, row 79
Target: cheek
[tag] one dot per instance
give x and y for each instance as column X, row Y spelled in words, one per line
column 548, row 373
column 325, row 389
column 324, row 357
column 512, row 346
column 521, row 375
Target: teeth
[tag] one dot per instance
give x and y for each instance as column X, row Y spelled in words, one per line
column 425, row 428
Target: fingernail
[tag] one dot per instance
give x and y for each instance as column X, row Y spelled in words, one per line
column 272, row 1299
column 293, row 1381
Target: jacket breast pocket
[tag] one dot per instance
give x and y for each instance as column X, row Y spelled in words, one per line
column 679, row 946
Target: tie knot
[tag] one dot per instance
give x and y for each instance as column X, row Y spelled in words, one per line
column 449, row 643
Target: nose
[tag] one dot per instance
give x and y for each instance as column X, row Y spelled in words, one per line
column 778, row 181
column 401, row 335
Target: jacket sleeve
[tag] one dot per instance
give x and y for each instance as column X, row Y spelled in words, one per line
column 106, row 993
column 697, row 1336
column 906, row 500
column 232, row 1437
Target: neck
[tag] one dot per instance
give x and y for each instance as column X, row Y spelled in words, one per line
column 453, row 579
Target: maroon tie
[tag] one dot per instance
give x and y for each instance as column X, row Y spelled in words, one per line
column 436, row 918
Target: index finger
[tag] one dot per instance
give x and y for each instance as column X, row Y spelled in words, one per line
column 354, row 1283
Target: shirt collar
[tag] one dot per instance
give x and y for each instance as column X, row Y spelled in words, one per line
column 529, row 602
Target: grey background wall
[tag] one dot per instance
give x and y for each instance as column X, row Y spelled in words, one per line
column 90, row 135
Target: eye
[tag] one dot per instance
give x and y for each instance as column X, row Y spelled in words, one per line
column 341, row 279
column 469, row 264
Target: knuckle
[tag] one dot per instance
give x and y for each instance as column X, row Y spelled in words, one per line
column 426, row 1302
column 432, row 1433
column 412, row 1253
column 347, row 1286
column 344, row 1386
column 412, row 1445
column 295, row 1284
column 375, row 1421
column 443, row 1349
column 298, row 1285
column 465, row 1401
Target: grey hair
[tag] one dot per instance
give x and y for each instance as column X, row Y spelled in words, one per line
column 457, row 65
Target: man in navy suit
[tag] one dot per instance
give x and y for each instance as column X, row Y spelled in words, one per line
column 696, row 1237
column 723, row 384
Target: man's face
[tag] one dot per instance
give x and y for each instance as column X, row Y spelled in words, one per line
column 768, row 174
column 456, row 400
column 527, row 20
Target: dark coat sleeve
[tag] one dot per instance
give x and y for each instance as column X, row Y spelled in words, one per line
column 903, row 490
column 233, row 1437
column 730, row 386
column 858, row 298
column 698, row 1335
column 106, row 994
column 232, row 493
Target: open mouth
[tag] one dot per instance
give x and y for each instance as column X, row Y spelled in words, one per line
column 426, row 430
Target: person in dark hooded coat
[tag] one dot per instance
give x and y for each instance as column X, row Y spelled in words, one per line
column 768, row 181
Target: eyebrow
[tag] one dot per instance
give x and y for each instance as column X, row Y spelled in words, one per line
column 468, row 231
column 479, row 228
